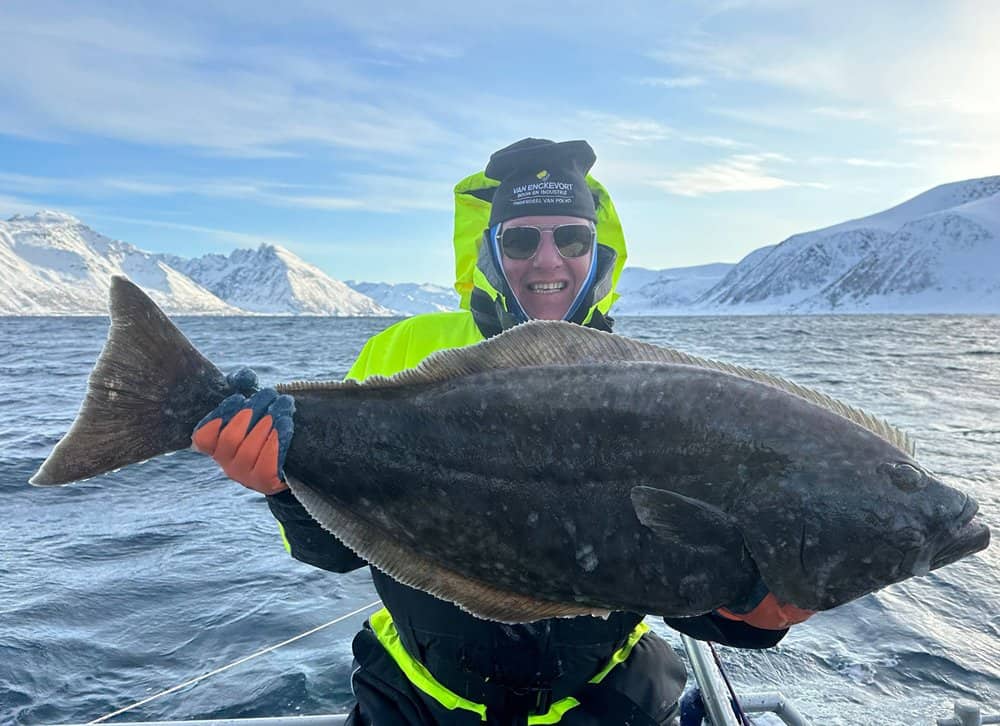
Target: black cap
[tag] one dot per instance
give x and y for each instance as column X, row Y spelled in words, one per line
column 538, row 176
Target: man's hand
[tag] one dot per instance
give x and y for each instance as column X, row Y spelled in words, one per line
column 770, row 614
column 249, row 437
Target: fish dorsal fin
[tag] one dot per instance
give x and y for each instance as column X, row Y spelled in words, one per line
column 544, row 342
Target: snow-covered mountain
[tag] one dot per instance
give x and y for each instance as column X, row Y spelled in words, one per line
column 409, row 298
column 947, row 261
column 937, row 252
column 53, row 264
column 666, row 292
column 272, row 280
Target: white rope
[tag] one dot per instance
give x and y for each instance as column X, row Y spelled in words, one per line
column 233, row 664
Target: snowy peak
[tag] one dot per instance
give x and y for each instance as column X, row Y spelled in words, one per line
column 939, row 198
column 273, row 280
column 946, row 261
column 46, row 217
column 829, row 268
column 53, row 264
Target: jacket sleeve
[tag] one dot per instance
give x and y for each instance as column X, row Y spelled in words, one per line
column 306, row 540
column 734, row 633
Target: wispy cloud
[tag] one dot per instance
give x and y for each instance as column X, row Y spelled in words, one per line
column 740, row 173
column 932, row 143
column 721, row 142
column 636, row 131
column 863, row 162
column 152, row 89
column 783, row 118
column 673, row 82
column 623, row 130
column 852, row 72
column 378, row 193
column 844, row 114
column 227, row 236
column 415, row 52
column 879, row 163
column 11, row 205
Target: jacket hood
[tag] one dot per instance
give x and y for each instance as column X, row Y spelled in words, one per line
column 476, row 267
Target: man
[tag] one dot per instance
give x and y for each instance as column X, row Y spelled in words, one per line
column 552, row 250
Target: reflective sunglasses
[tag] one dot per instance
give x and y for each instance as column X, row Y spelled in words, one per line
column 572, row 240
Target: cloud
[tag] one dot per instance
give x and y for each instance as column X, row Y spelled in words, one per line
column 673, row 82
column 879, row 163
column 932, row 143
column 911, row 58
column 226, row 235
column 11, row 205
column 718, row 141
column 413, row 52
column 636, row 131
column 148, row 87
column 783, row 118
column 628, row 131
column 740, row 173
column 864, row 163
column 844, row 114
column 379, row 193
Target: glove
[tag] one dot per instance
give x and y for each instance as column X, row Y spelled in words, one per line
column 249, row 437
column 769, row 614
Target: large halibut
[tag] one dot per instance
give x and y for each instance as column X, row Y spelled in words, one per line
column 556, row 470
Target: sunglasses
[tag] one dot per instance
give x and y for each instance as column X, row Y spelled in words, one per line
column 572, row 240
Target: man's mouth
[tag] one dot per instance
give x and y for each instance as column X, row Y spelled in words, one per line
column 546, row 287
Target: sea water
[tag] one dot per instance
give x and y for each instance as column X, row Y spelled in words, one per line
column 117, row 588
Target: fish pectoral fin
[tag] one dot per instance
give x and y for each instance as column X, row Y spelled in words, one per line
column 684, row 521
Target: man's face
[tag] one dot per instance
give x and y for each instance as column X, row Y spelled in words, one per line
column 546, row 283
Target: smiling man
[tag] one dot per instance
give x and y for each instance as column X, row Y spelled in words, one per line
column 547, row 260
column 542, row 236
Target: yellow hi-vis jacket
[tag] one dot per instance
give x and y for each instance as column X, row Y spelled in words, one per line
column 408, row 342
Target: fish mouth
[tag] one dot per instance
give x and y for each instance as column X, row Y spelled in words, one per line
column 970, row 537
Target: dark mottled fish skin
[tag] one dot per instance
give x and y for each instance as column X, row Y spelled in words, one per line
column 503, row 470
column 558, row 471
column 507, row 466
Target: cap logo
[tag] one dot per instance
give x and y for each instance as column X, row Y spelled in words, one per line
column 542, row 175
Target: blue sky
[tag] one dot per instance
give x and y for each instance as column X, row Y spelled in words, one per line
column 339, row 129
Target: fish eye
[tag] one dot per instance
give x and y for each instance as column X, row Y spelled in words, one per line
column 904, row 476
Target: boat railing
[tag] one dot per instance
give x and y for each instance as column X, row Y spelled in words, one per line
column 717, row 697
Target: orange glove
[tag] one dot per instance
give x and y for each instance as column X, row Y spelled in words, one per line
column 770, row 614
column 249, row 438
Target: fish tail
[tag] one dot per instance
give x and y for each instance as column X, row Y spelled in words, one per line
column 147, row 392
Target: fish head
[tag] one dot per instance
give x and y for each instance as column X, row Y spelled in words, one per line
column 946, row 517
column 839, row 528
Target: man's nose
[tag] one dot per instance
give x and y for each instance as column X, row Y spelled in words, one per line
column 548, row 254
